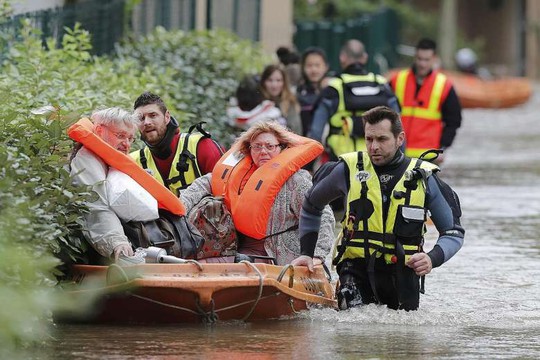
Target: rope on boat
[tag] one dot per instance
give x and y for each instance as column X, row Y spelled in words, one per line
column 165, row 304
column 277, row 293
column 291, row 302
column 261, row 283
column 209, row 317
column 282, row 273
column 198, row 264
column 120, row 271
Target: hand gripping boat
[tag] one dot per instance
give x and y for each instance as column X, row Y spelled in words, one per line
column 193, row 292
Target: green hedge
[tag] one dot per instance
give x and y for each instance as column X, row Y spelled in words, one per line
column 44, row 91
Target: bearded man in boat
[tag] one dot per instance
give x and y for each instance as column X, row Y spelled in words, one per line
column 430, row 108
column 103, row 227
column 388, row 197
column 174, row 158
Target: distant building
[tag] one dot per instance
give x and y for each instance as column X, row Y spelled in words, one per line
column 268, row 21
column 508, row 27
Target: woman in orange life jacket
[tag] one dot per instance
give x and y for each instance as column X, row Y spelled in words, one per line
column 273, row 233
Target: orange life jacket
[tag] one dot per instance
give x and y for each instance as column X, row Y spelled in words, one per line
column 250, row 192
column 82, row 131
column 421, row 113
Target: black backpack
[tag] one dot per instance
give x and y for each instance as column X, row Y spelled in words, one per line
column 171, row 232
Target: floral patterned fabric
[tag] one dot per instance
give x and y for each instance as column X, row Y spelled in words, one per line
column 285, row 213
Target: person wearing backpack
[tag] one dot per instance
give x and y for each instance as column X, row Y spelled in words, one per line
column 172, row 157
column 344, row 100
column 388, row 197
column 263, row 186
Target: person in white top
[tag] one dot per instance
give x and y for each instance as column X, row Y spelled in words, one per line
column 103, row 228
column 252, row 107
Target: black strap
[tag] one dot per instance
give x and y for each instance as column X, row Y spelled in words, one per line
column 199, row 127
column 400, row 256
column 412, row 184
column 142, row 158
column 293, row 227
column 371, row 275
column 182, row 166
column 348, row 235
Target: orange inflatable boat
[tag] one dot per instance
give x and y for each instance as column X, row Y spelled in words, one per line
column 197, row 292
column 473, row 92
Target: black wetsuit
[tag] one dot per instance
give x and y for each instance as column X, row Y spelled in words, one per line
column 445, row 213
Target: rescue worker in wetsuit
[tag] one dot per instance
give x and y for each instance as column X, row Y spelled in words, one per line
column 175, row 159
column 344, row 100
column 388, row 196
column 430, row 108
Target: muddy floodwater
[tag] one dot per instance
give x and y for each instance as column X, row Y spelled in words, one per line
column 483, row 304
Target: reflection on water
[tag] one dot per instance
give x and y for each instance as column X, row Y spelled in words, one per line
column 483, row 304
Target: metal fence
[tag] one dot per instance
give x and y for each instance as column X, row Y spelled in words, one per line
column 378, row 31
column 104, row 19
column 171, row 14
column 109, row 20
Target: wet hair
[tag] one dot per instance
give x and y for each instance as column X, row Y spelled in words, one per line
column 380, row 113
column 287, row 98
column 271, row 127
column 248, row 93
column 114, row 116
column 426, row 44
column 147, row 98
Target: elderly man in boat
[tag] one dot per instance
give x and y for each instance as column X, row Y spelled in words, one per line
column 263, row 185
column 103, row 228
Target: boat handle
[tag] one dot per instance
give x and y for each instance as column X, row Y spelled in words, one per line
column 291, row 275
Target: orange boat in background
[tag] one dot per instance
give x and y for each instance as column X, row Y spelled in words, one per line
column 196, row 292
column 475, row 92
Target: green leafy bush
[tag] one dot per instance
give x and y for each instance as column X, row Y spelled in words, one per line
column 199, row 71
column 44, row 91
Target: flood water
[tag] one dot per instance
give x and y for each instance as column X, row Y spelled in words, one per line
column 483, row 304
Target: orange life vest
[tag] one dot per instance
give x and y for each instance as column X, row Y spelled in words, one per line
column 250, row 192
column 82, row 131
column 421, row 113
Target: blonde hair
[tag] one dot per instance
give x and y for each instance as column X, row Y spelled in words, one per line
column 271, row 127
column 286, row 99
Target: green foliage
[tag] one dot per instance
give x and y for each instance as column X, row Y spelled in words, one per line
column 199, row 71
column 5, row 9
column 44, row 91
column 414, row 23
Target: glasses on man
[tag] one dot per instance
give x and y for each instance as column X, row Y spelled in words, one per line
column 123, row 137
column 267, row 147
